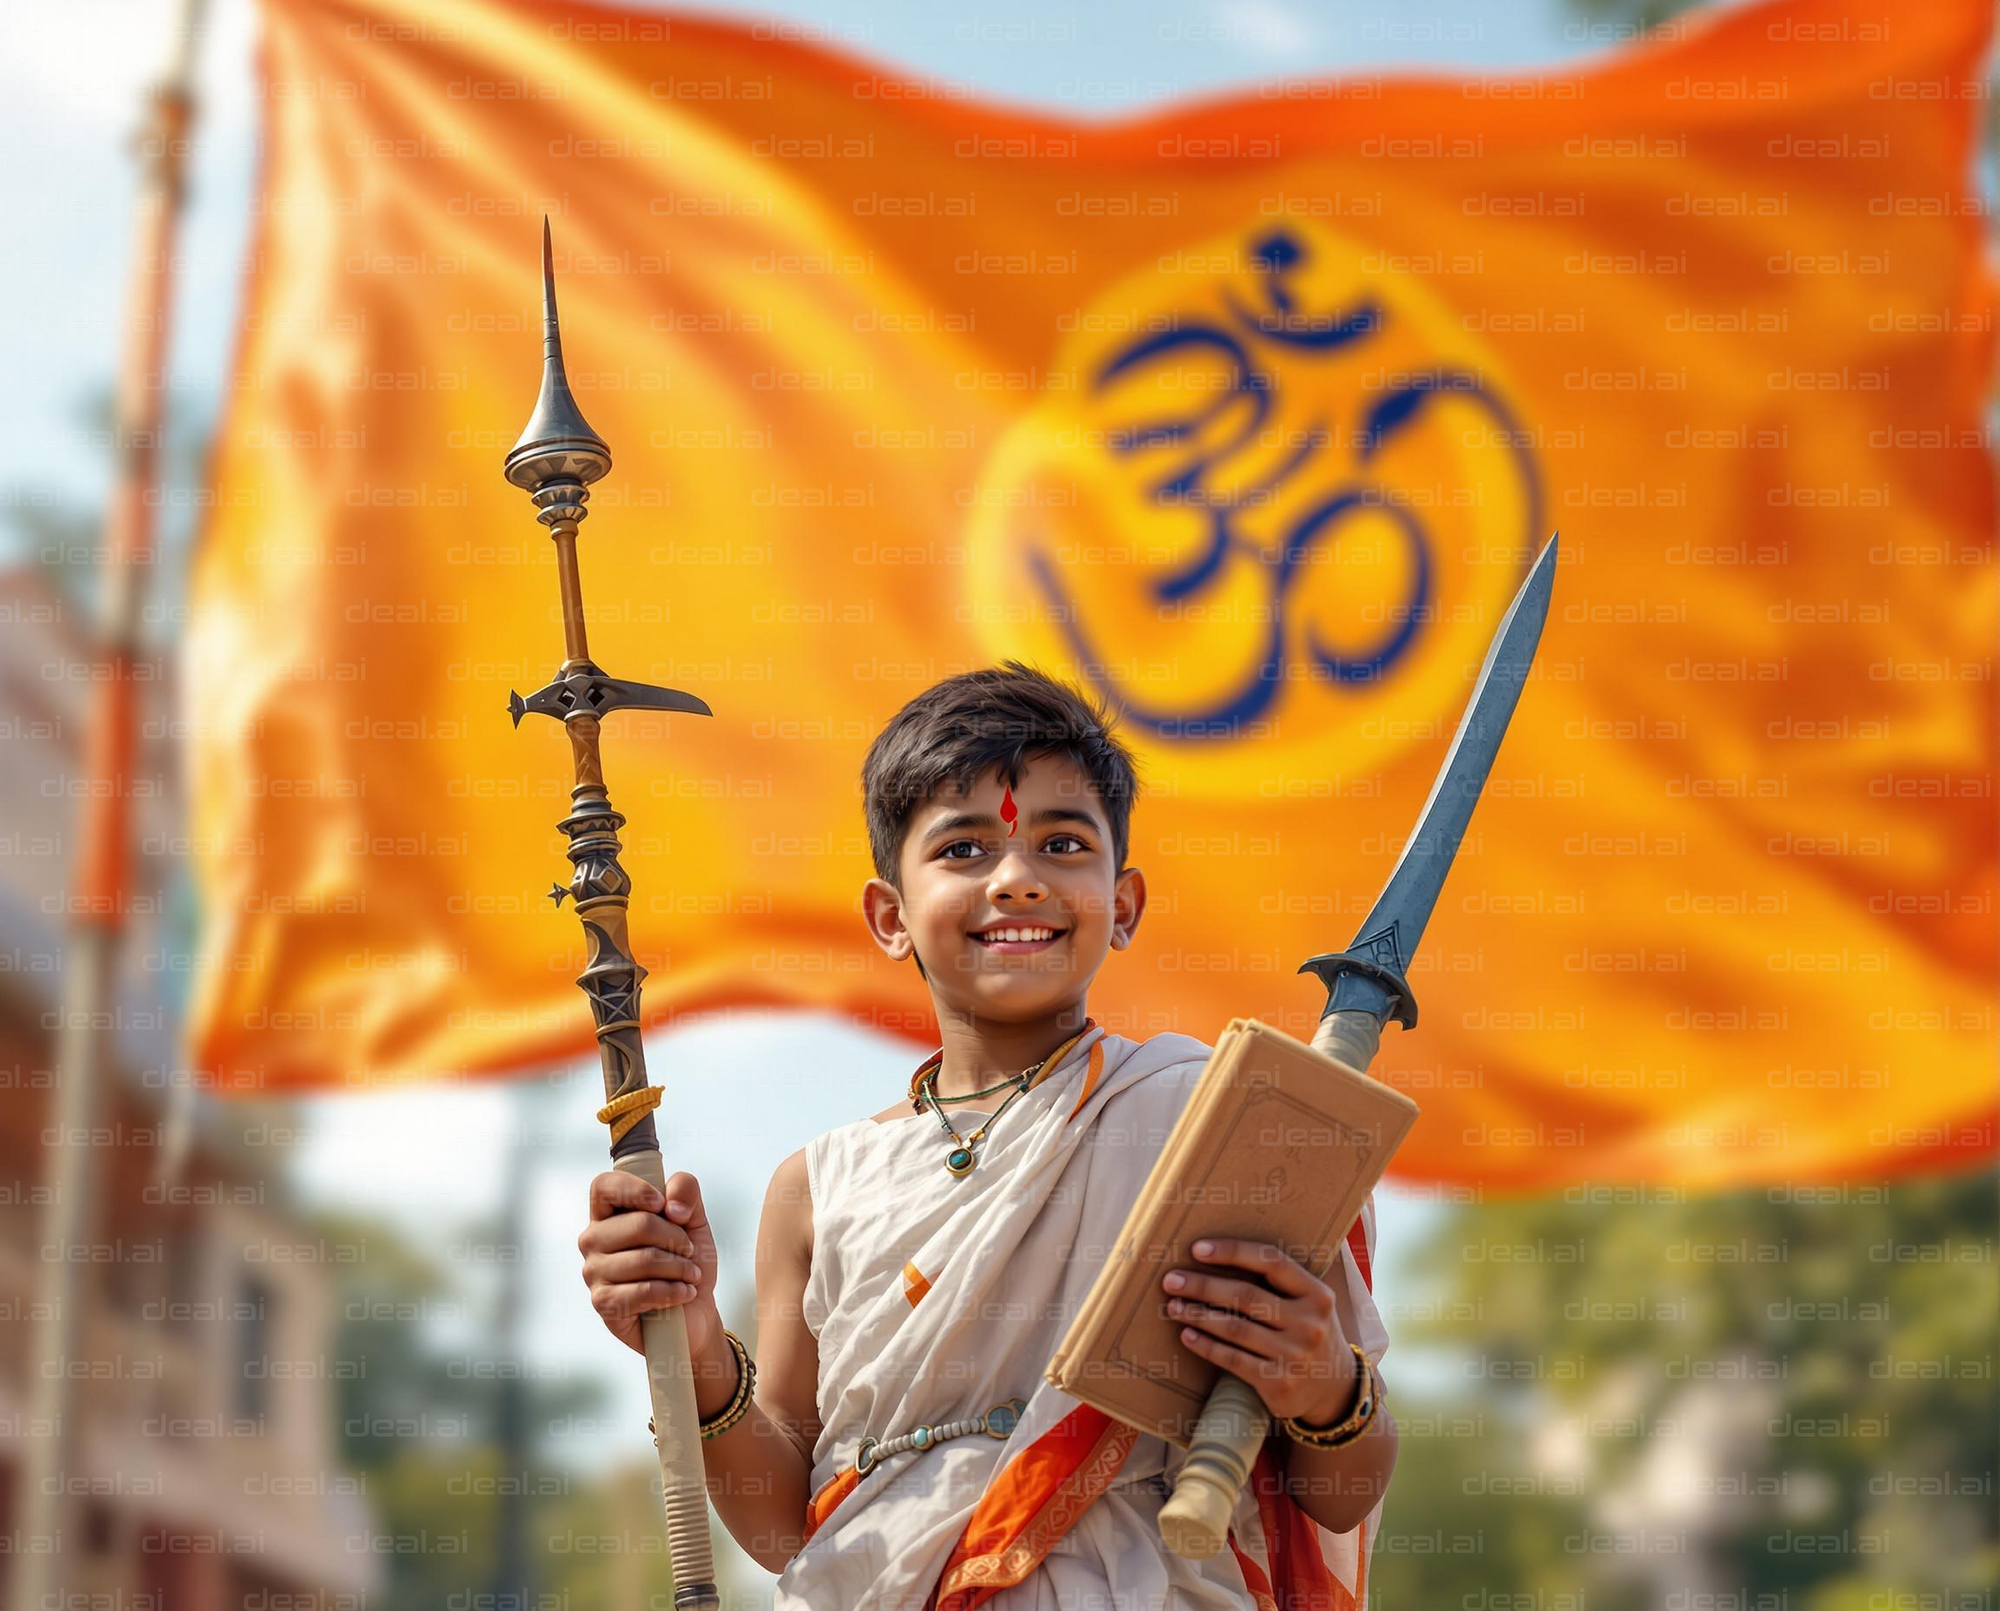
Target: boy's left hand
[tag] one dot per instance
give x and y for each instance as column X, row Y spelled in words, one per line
column 1289, row 1346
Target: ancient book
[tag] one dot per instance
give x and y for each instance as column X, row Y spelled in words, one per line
column 1277, row 1143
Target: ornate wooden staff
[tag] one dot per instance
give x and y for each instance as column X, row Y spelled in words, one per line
column 556, row 458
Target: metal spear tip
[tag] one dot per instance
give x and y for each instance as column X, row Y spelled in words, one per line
column 558, row 440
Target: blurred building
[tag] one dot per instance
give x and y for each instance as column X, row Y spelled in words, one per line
column 208, row 1384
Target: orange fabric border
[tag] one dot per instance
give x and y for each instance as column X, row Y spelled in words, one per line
column 1090, row 1078
column 1032, row 1504
column 1301, row 1579
column 1253, row 1577
column 823, row 1504
column 1039, row 1497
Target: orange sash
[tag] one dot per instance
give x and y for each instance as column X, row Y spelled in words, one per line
column 1039, row 1497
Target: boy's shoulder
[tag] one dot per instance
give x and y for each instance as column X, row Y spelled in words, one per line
column 1174, row 1047
column 1168, row 1051
column 1159, row 1072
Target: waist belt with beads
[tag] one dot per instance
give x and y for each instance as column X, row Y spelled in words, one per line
column 998, row 1422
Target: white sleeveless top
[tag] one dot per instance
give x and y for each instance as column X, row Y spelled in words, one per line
column 933, row 1297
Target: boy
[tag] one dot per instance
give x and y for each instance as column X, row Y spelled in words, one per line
column 916, row 1269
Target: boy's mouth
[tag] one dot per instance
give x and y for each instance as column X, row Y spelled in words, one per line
column 1010, row 938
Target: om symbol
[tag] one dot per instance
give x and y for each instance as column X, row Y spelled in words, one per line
column 1321, row 391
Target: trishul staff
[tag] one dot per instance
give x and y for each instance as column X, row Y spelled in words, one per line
column 557, row 457
column 1367, row 986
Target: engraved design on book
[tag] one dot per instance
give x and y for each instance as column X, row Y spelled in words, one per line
column 1266, row 1108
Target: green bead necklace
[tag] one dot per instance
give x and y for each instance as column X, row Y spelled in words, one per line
column 961, row 1159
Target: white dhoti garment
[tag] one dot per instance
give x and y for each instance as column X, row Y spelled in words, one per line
column 934, row 1298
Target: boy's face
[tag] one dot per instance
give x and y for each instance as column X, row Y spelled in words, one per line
column 962, row 879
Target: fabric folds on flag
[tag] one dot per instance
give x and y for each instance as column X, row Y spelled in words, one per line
column 1245, row 414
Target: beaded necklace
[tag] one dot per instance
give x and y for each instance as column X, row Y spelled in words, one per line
column 961, row 1159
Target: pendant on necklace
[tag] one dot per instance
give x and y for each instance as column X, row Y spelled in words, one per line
column 960, row 1160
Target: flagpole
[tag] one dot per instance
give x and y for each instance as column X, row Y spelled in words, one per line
column 48, row 1536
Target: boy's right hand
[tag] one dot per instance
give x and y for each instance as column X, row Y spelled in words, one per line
column 636, row 1261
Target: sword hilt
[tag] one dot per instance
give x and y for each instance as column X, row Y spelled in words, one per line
column 1352, row 1038
column 1362, row 994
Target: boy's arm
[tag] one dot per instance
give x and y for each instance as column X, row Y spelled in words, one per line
column 760, row 1470
column 787, row 1351
column 1339, row 1487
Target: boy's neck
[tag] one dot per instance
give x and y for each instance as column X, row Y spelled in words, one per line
column 981, row 1053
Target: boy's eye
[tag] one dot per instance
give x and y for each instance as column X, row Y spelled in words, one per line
column 974, row 845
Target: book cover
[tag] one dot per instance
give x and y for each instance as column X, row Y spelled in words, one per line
column 1277, row 1143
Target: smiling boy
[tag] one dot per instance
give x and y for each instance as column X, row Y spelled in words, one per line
column 897, row 1446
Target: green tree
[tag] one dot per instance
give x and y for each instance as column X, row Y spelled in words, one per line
column 420, row 1416
column 1785, row 1394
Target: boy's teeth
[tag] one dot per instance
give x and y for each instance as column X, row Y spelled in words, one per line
column 1018, row 934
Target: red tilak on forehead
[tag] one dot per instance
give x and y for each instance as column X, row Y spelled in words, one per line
column 1010, row 813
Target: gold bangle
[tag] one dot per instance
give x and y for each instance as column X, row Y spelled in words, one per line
column 739, row 1402
column 1355, row 1402
column 1368, row 1396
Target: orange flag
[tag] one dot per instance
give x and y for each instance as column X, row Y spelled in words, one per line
column 1246, row 415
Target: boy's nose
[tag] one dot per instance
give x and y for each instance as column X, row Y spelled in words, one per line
column 1016, row 875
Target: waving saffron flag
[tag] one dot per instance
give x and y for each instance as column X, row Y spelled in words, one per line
column 1246, row 414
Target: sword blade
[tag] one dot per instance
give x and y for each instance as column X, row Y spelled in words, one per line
column 1390, row 932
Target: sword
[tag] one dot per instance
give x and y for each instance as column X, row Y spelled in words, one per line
column 1366, row 987
column 556, row 458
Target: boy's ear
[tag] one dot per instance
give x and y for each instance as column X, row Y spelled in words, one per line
column 882, row 910
column 1128, row 905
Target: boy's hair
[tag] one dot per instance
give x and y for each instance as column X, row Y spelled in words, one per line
column 959, row 729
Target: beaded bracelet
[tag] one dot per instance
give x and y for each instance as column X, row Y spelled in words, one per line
column 739, row 1403
column 746, row 1382
column 1368, row 1395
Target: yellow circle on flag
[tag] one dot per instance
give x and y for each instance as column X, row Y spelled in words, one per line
column 1271, row 505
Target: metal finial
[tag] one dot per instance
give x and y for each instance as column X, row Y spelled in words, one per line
column 558, row 440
